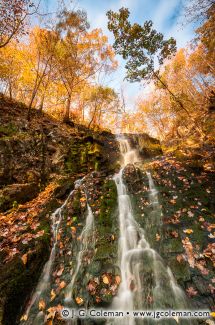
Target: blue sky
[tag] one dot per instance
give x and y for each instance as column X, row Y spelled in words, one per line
column 167, row 16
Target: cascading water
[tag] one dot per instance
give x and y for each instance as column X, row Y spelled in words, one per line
column 32, row 316
column 146, row 284
column 87, row 242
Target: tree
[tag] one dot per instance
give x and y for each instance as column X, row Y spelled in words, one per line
column 142, row 46
column 188, row 76
column 206, row 37
column 41, row 47
column 13, row 18
column 80, row 54
column 102, row 100
column 144, row 49
column 10, row 68
column 197, row 10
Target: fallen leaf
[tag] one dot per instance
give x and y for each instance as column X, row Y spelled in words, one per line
column 62, row 284
column 180, row 258
column 79, row 300
column 49, row 322
column 98, row 299
column 73, row 229
column 174, row 234
column 105, row 279
column 59, row 273
column 190, row 214
column 24, row 317
column 191, row 292
column 189, row 251
column 158, row 237
column 24, row 258
column 42, row 304
column 118, row 279
column 188, row 231
column 51, row 312
column 53, row 295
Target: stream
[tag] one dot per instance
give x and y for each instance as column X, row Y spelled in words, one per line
column 146, row 282
column 43, row 289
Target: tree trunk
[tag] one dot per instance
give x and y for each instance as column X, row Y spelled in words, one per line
column 30, row 106
column 10, row 91
column 41, row 103
column 92, row 119
column 67, row 110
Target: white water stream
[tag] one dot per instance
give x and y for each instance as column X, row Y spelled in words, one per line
column 87, row 240
column 146, row 283
column 44, row 284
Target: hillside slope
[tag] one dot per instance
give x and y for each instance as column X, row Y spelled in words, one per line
column 40, row 161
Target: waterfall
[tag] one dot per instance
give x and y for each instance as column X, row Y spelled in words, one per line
column 146, row 283
column 87, row 242
column 33, row 317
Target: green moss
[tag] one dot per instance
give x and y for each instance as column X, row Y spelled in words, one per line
column 83, row 154
column 180, row 270
column 108, row 203
column 107, row 224
column 4, row 202
column 9, row 129
column 76, row 203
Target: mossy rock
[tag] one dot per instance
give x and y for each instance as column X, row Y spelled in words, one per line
column 180, row 270
column 17, row 281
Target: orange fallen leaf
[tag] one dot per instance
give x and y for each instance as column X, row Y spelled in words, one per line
column 73, row 229
column 24, row 317
column 51, row 312
column 118, row 279
column 49, row 322
column 79, row 300
column 98, row 299
column 180, row 258
column 53, row 295
column 105, row 279
column 62, row 284
column 24, row 258
column 42, row 304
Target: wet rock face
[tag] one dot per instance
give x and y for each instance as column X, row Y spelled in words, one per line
column 185, row 238
column 98, row 276
column 146, row 145
column 102, row 275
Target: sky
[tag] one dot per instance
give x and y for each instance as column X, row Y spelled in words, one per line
column 167, row 16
